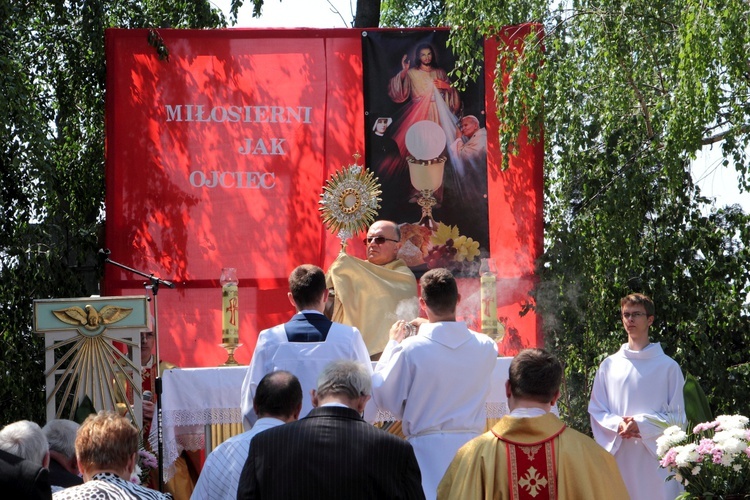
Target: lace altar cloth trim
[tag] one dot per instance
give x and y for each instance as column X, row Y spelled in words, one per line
column 201, row 416
column 496, row 409
column 189, row 431
column 172, row 451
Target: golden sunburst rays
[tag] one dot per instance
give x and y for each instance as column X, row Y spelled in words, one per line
column 349, row 201
column 92, row 366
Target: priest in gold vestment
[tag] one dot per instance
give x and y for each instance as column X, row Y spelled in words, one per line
column 187, row 465
column 531, row 454
column 373, row 294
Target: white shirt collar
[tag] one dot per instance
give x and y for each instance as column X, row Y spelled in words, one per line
column 309, row 311
column 528, row 412
column 341, row 405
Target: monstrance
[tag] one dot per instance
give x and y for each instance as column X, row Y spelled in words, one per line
column 349, row 201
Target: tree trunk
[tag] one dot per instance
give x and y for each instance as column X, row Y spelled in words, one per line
column 368, row 14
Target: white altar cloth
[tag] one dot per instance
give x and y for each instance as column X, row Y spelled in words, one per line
column 195, row 397
column 191, row 399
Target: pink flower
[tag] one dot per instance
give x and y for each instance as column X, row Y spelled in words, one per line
column 705, row 446
column 148, row 459
column 705, row 426
column 669, row 458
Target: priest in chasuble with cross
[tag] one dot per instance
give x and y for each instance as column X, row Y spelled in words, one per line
column 531, row 454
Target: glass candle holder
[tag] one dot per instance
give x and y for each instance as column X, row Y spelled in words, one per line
column 230, row 312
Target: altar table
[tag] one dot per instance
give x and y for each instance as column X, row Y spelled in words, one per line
column 193, row 398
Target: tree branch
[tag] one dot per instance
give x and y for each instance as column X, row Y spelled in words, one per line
column 713, row 139
column 336, row 11
column 641, row 101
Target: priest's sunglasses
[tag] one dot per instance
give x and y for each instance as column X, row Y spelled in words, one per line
column 634, row 315
column 378, row 240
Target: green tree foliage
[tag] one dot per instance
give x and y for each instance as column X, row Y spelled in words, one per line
column 52, row 70
column 624, row 93
column 413, row 13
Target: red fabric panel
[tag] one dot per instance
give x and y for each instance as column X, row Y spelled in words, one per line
column 297, row 96
column 516, row 215
column 174, row 125
column 517, row 207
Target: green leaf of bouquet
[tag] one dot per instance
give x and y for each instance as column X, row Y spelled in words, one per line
column 696, row 404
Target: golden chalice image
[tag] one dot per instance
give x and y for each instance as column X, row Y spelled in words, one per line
column 425, row 141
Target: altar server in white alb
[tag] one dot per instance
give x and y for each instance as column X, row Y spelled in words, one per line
column 633, row 387
column 304, row 345
column 437, row 381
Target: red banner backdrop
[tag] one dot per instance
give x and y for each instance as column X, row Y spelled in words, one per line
column 216, row 158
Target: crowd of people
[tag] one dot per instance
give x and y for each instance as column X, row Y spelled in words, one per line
column 311, row 396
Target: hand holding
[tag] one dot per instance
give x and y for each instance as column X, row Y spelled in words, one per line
column 401, row 329
column 148, row 410
column 397, row 331
column 628, row 428
column 418, row 322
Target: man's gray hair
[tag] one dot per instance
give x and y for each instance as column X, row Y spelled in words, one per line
column 24, row 439
column 345, row 377
column 61, row 436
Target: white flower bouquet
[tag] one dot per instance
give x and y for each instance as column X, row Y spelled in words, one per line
column 713, row 461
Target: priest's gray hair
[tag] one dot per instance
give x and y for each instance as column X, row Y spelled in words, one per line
column 346, row 378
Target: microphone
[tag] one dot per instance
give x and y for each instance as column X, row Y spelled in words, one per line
column 148, row 396
column 103, row 255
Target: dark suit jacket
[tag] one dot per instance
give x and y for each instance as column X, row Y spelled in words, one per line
column 59, row 475
column 330, row 454
column 21, row 479
column 307, row 327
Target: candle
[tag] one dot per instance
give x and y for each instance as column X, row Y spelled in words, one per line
column 229, row 306
column 488, row 298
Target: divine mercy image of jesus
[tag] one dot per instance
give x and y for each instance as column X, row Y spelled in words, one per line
column 433, row 187
column 426, row 88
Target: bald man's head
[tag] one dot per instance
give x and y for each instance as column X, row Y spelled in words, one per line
column 383, row 242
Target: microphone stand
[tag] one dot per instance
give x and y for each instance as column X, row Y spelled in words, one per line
column 153, row 283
